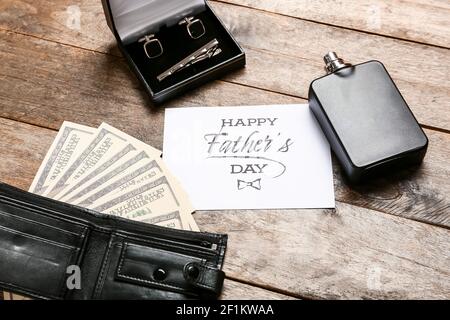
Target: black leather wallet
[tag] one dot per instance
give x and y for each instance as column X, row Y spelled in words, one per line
column 43, row 242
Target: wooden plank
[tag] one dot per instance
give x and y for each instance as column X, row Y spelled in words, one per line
column 415, row 20
column 284, row 54
column 233, row 290
column 60, row 83
column 349, row 252
column 13, row 296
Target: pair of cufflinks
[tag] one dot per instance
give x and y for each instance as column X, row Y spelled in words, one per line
column 153, row 47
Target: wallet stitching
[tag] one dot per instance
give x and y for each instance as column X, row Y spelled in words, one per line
column 37, row 238
column 119, row 273
column 100, row 278
column 127, row 244
column 49, row 241
column 6, row 214
column 173, row 246
column 204, row 286
column 202, row 279
column 49, row 213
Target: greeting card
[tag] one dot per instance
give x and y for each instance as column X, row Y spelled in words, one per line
column 259, row 157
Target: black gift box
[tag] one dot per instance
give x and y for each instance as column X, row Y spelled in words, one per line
column 130, row 21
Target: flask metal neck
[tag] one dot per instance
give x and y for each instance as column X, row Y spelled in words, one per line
column 333, row 63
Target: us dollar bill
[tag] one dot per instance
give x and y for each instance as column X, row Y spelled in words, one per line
column 115, row 173
column 157, row 197
column 108, row 147
column 70, row 141
column 128, row 180
column 106, row 173
column 98, row 183
column 117, row 182
column 178, row 220
column 170, row 220
column 100, row 145
column 127, row 151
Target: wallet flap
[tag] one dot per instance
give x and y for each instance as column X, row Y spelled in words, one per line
column 158, row 268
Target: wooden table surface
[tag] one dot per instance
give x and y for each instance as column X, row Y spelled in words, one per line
column 387, row 239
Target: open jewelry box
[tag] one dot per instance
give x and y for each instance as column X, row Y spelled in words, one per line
column 172, row 45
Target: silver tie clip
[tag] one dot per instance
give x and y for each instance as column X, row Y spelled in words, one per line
column 208, row 51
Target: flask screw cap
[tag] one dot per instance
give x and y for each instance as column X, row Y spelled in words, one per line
column 333, row 63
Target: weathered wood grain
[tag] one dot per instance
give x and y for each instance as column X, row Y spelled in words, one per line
column 415, row 20
column 60, row 83
column 233, row 290
column 349, row 252
column 80, row 22
column 13, row 296
column 284, row 54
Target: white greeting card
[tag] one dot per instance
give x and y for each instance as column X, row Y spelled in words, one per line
column 259, row 157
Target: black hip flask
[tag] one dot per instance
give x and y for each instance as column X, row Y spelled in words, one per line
column 369, row 126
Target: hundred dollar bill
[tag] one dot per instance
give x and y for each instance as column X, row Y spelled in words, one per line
column 157, row 197
column 126, row 182
column 96, row 150
column 174, row 220
column 127, row 151
column 135, row 179
column 169, row 220
column 118, row 182
column 108, row 147
column 107, row 171
column 135, row 151
column 69, row 142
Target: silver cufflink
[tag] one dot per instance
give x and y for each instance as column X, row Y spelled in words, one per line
column 152, row 46
column 195, row 27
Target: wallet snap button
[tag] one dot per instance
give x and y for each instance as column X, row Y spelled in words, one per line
column 159, row 274
column 192, row 272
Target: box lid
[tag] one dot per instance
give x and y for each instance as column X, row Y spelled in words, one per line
column 132, row 20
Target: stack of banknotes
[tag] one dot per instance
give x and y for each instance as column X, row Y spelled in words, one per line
column 108, row 171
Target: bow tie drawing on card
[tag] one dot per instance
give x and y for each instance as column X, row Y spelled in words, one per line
column 253, row 184
column 249, row 148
